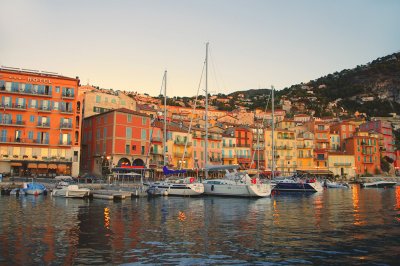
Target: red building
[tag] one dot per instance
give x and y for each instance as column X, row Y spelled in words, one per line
column 113, row 139
column 244, row 139
column 344, row 129
column 365, row 147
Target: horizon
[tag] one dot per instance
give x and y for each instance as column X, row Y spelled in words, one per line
column 127, row 45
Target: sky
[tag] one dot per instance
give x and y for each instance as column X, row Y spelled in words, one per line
column 128, row 45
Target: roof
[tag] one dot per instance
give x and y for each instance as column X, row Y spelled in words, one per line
column 121, row 110
column 145, row 107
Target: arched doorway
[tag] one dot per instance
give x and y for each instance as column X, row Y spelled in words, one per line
column 124, row 162
column 138, row 162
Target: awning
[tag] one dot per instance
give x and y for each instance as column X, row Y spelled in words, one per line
column 32, row 165
column 316, row 172
column 42, row 165
column 16, row 164
column 52, row 166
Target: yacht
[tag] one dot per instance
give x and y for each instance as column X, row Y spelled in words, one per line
column 377, row 182
column 296, row 184
column 234, row 183
column 66, row 190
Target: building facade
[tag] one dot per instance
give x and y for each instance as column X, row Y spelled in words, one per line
column 40, row 123
column 115, row 138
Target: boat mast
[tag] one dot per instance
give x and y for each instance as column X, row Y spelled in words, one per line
column 206, row 117
column 165, row 119
column 273, row 127
column 258, row 151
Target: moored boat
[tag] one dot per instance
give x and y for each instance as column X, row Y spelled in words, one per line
column 377, row 182
column 297, row 184
column 332, row 184
column 70, row 191
column 34, row 188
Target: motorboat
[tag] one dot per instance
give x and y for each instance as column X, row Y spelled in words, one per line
column 64, row 189
column 33, row 188
column 17, row 192
column 234, row 183
column 296, row 184
column 174, row 186
column 332, row 184
column 377, row 182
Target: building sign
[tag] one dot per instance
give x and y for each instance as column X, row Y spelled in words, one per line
column 41, row 80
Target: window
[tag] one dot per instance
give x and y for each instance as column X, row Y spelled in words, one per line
column 134, row 147
column 123, row 102
column 129, row 118
column 195, row 154
column 142, row 150
column 106, row 100
column 144, row 134
column 113, row 101
column 30, row 135
column 127, row 149
column 144, row 120
column 104, row 132
column 128, row 133
column 98, row 133
column 194, row 144
column 32, row 118
column 98, row 98
column 57, row 89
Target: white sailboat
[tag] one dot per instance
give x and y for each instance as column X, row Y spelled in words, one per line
column 173, row 185
column 234, row 183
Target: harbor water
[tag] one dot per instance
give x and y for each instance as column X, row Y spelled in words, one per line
column 339, row 226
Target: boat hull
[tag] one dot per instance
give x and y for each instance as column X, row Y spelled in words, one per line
column 237, row 190
column 379, row 184
column 298, row 187
column 71, row 191
column 173, row 189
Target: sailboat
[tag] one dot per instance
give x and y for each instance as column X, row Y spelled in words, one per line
column 173, row 184
column 294, row 183
column 234, row 183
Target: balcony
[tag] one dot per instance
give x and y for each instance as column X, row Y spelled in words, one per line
column 13, row 106
column 243, row 145
column 44, row 109
column 64, row 143
column 65, row 126
column 67, row 95
column 285, row 137
column 304, row 147
column 156, row 139
column 27, row 92
column 305, row 156
column 227, row 145
column 12, row 123
column 66, row 111
column 23, row 141
column 288, row 157
column 228, row 156
column 182, row 143
column 211, row 137
column 283, row 147
column 180, row 154
column 243, row 156
column 43, row 125
column 342, row 164
column 258, row 147
column 214, row 160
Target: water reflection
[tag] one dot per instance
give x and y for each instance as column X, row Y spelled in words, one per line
column 334, row 227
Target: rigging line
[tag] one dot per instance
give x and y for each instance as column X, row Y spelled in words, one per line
column 262, row 123
column 214, row 71
column 194, row 108
column 153, row 123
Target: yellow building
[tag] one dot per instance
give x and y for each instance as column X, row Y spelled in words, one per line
column 341, row 164
column 285, row 150
column 228, row 149
column 305, row 148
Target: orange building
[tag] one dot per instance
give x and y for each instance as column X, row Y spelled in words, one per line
column 365, row 147
column 40, row 123
column 117, row 138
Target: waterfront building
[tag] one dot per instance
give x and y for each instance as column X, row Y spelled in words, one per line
column 96, row 101
column 334, row 142
column 156, row 146
column 285, row 150
column 341, row 164
column 305, row 151
column 345, row 129
column 321, row 131
column 40, row 123
column 214, row 146
column 385, row 128
column 258, row 148
column 228, row 149
column 286, row 124
column 179, row 147
column 116, row 138
column 244, row 139
column 365, row 148
column 301, row 118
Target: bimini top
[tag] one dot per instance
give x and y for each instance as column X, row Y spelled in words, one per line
column 172, row 172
